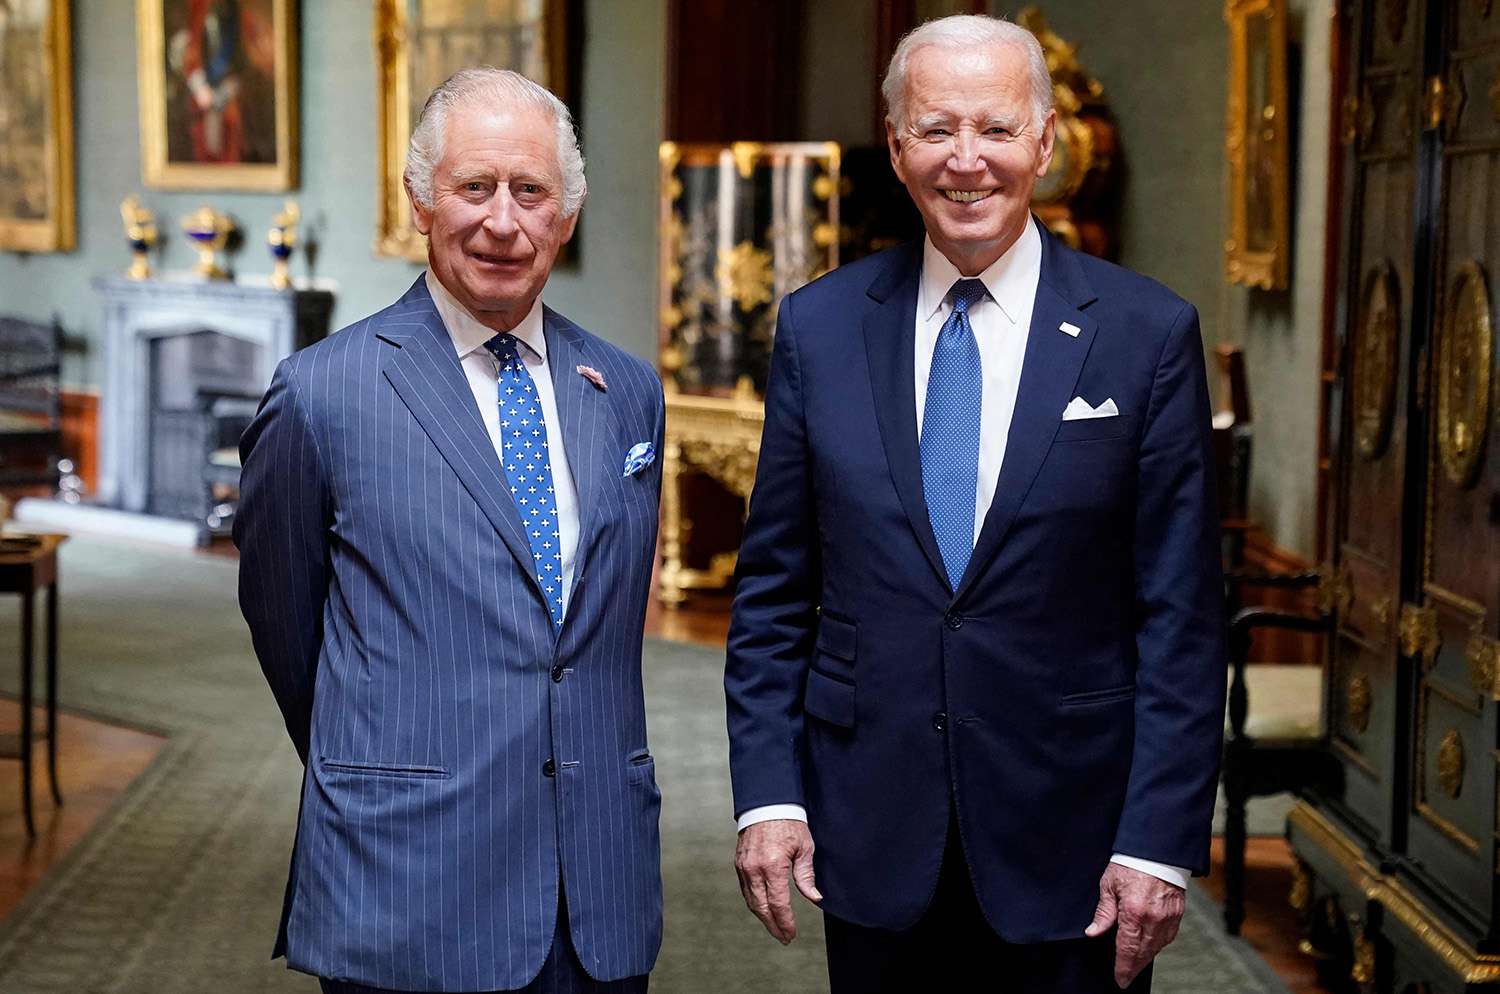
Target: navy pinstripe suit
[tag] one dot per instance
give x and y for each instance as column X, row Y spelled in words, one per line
column 461, row 759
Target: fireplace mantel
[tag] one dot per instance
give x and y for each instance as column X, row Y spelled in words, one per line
column 136, row 312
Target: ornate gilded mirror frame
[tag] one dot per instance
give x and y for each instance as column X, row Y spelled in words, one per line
column 546, row 35
column 36, row 140
column 1258, row 248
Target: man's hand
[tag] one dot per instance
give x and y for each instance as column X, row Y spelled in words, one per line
column 765, row 853
column 1147, row 910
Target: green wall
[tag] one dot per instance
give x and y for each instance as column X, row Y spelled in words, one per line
column 611, row 291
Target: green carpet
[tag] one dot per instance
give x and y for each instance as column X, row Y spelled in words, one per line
column 178, row 888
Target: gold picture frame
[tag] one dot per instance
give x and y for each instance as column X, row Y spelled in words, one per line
column 1258, row 249
column 418, row 44
column 220, row 120
column 36, row 131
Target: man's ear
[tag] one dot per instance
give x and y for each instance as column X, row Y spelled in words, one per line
column 1044, row 150
column 420, row 216
column 570, row 224
column 893, row 146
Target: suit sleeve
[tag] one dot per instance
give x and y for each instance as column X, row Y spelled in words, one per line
column 1179, row 610
column 777, row 585
column 281, row 530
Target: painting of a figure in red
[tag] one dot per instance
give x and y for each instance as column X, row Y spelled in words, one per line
column 221, row 61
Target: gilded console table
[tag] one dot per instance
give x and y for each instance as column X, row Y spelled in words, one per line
column 719, row 436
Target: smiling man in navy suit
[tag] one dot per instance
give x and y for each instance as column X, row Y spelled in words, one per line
column 977, row 643
column 447, row 527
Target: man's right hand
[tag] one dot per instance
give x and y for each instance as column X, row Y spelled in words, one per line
column 763, row 857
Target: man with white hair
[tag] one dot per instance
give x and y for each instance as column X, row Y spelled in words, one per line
column 977, row 643
column 447, row 527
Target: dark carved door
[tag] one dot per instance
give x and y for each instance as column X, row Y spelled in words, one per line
column 1382, row 166
column 1450, row 626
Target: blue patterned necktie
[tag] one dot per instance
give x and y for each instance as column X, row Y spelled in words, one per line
column 528, row 468
column 950, row 432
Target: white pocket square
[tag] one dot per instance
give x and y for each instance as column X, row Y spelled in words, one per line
column 1078, row 409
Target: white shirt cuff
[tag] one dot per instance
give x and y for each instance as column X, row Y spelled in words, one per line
column 770, row 812
column 1174, row 875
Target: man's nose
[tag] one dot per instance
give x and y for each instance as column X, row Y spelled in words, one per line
column 965, row 152
column 500, row 220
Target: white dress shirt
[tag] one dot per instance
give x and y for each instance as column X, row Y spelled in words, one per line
column 483, row 370
column 1002, row 324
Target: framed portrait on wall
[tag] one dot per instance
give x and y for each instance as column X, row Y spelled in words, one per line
column 36, row 127
column 1258, row 250
column 420, row 43
column 218, row 94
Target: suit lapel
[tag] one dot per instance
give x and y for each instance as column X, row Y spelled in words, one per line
column 1049, row 374
column 425, row 372
column 890, row 349
column 587, row 431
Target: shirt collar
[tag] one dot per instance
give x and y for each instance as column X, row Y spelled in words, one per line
column 1008, row 279
column 466, row 331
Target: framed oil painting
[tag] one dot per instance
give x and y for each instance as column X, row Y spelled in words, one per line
column 1258, row 250
column 36, row 127
column 218, row 93
column 420, row 43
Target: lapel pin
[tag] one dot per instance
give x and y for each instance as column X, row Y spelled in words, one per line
column 1071, row 330
column 593, row 376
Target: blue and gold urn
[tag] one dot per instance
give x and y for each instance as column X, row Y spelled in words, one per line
column 209, row 230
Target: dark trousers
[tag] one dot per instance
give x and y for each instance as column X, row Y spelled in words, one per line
column 561, row 973
column 953, row 945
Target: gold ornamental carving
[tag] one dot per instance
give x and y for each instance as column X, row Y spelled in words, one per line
column 1483, row 658
column 1374, row 373
column 1418, row 632
column 1335, row 590
column 1450, row 763
column 1362, row 971
column 1300, row 896
column 1357, row 701
column 1463, row 375
column 1470, row 965
column 745, row 275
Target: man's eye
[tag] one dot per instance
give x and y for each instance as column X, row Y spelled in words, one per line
column 474, row 187
column 531, row 189
column 938, row 132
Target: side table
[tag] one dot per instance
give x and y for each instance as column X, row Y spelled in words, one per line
column 24, row 571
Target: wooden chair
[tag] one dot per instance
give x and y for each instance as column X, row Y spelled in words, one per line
column 30, row 402
column 1279, row 746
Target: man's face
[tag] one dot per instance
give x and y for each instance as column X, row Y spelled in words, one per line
column 969, row 152
column 496, row 221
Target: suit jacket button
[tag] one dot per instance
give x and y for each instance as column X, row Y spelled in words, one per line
column 549, row 768
column 954, row 621
column 557, row 673
column 940, row 721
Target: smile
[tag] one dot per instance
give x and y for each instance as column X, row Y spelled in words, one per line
column 966, row 196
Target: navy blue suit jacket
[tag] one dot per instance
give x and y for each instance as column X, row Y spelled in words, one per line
column 393, row 602
column 1068, row 696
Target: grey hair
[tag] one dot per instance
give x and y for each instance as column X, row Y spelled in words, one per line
column 966, row 31
column 501, row 88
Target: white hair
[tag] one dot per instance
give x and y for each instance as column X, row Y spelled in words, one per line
column 966, row 31
column 500, row 88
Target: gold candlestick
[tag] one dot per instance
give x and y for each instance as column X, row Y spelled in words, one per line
column 283, row 240
column 140, row 233
column 210, row 230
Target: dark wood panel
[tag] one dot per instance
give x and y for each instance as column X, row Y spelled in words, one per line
column 733, row 70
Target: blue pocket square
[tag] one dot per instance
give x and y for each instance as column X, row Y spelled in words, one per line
column 639, row 457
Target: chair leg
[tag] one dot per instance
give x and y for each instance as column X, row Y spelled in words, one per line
column 1234, row 850
column 27, row 624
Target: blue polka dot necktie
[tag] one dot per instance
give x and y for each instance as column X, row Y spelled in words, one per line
column 528, row 468
column 950, row 432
